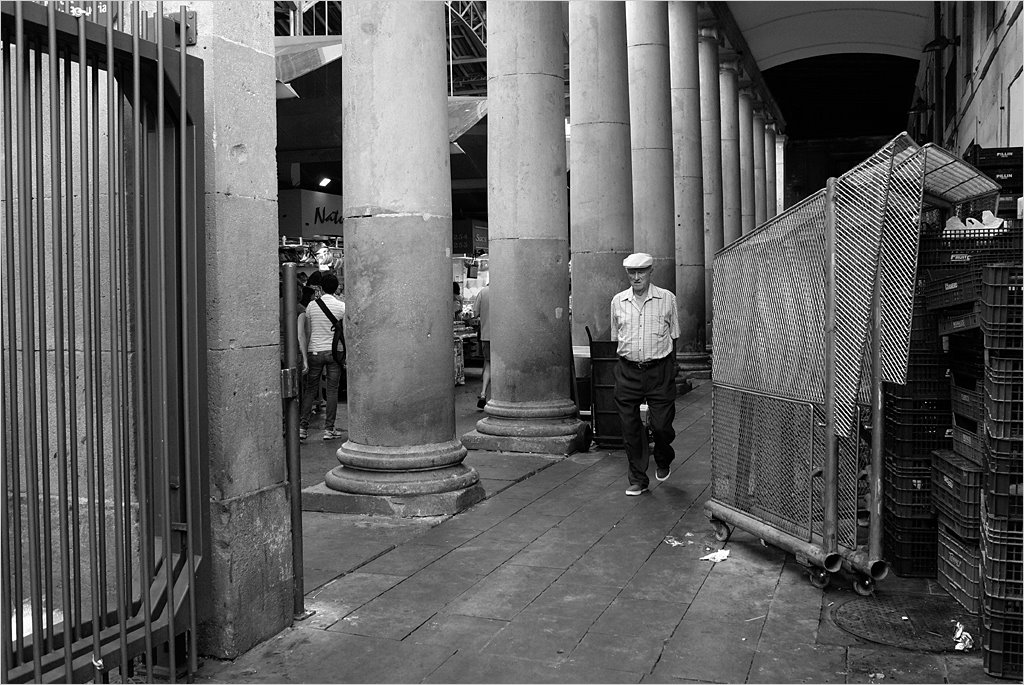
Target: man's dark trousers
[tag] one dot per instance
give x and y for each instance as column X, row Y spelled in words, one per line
column 655, row 382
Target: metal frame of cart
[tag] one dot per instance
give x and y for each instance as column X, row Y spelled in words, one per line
column 813, row 313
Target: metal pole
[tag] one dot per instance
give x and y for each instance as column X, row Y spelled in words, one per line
column 830, row 468
column 289, row 386
column 59, row 240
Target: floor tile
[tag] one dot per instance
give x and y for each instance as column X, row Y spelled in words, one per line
column 504, row 593
column 464, row 633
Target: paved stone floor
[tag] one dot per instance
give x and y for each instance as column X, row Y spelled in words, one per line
column 559, row 577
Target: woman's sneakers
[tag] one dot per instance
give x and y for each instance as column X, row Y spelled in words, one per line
column 333, row 434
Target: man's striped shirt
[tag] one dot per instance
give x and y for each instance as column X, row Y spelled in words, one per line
column 645, row 330
column 321, row 333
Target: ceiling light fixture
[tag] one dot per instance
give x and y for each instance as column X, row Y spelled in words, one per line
column 940, row 43
column 324, row 182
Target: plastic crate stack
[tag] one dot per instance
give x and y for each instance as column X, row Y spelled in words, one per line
column 916, row 423
column 1004, row 166
column 1002, row 547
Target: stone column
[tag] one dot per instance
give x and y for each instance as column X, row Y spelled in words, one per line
column 689, row 185
column 732, row 185
column 780, row 172
column 530, row 409
column 771, row 205
column 601, row 186
column 746, row 135
column 250, row 550
column 711, row 157
column 650, row 116
column 402, row 456
column 760, row 208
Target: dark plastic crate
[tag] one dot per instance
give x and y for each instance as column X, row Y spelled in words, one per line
column 956, row 491
column 968, row 445
column 985, row 158
column 902, row 405
column 915, row 424
column 932, row 387
column 1008, row 428
column 1003, row 495
column 1002, row 564
column 1001, row 283
column 1002, row 646
column 964, row 528
column 908, row 492
column 959, row 569
column 921, row 460
column 911, row 553
column 1003, row 337
column 970, row 248
column 1004, row 528
column 994, row 604
column 960, row 321
column 953, row 289
column 967, row 403
column 1003, row 378
column 1003, row 455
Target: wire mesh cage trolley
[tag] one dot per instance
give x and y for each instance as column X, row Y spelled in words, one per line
column 813, row 312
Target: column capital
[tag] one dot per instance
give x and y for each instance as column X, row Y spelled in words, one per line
column 729, row 62
column 781, row 138
column 709, row 34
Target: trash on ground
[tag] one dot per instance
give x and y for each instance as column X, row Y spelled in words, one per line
column 756, row 617
column 720, row 555
column 689, row 535
column 671, row 540
column 877, row 676
column 964, row 641
column 906, row 618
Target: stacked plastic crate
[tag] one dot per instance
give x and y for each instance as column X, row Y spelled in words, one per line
column 1004, row 166
column 1001, row 510
column 954, row 294
column 916, row 423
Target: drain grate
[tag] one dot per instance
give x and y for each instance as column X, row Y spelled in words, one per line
column 910, row 621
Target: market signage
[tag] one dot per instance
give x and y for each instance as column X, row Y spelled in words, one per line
column 308, row 213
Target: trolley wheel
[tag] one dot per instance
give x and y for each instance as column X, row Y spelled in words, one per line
column 722, row 530
column 820, row 578
column 864, row 586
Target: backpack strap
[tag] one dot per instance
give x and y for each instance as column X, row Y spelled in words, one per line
column 327, row 312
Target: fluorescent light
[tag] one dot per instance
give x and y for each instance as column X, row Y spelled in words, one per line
column 324, row 182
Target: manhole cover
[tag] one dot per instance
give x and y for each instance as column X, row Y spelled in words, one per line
column 919, row 622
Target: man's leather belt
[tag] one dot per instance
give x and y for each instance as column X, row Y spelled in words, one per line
column 643, row 365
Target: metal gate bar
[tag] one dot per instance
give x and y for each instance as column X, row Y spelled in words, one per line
column 115, row 313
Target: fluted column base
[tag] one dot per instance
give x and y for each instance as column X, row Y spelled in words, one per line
column 417, row 480
column 549, row 427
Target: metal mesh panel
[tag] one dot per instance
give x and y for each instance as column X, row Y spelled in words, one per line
column 899, row 265
column 762, row 459
column 769, row 299
column 854, row 455
column 862, row 198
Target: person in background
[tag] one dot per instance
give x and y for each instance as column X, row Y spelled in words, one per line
column 321, row 358
column 645, row 324
column 460, row 357
column 482, row 307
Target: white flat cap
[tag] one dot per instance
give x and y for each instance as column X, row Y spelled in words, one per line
column 638, row 260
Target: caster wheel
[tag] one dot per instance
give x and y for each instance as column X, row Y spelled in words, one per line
column 865, row 587
column 722, row 530
column 820, row 578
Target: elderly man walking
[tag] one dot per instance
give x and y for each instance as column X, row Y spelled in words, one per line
column 645, row 324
